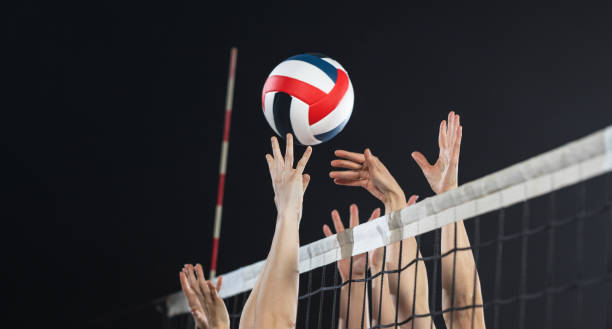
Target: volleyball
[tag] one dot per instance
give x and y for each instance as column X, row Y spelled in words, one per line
column 310, row 96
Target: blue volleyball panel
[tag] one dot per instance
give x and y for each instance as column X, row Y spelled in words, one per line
column 324, row 66
column 324, row 137
column 281, row 109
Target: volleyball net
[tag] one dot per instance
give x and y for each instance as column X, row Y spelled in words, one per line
column 540, row 235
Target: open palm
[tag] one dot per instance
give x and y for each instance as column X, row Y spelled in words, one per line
column 207, row 308
column 359, row 261
column 364, row 170
column 442, row 175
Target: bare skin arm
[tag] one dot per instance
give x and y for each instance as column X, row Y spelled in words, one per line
column 367, row 171
column 386, row 303
column 442, row 176
column 383, row 306
column 273, row 301
column 357, row 311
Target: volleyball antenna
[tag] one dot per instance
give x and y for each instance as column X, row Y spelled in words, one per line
column 229, row 97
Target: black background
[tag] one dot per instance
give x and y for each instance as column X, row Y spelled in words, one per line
column 113, row 125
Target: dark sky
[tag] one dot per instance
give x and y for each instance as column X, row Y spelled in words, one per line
column 113, row 126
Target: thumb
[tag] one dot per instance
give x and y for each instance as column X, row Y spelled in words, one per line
column 305, row 181
column 369, row 158
column 421, row 161
column 375, row 214
column 413, row 199
column 219, row 283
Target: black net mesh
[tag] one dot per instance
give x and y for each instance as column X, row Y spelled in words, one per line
column 542, row 263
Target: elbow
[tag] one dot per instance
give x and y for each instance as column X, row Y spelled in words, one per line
column 271, row 319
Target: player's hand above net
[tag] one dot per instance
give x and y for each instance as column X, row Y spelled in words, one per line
column 207, row 308
column 367, row 171
column 442, row 175
column 289, row 184
column 359, row 261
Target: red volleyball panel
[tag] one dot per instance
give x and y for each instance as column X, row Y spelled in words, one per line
column 296, row 88
column 326, row 105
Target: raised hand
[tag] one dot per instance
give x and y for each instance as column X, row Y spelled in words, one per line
column 376, row 256
column 359, row 261
column 367, row 171
column 442, row 175
column 207, row 308
column 289, row 184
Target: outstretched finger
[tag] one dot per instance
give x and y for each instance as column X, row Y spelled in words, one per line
column 412, row 200
column 304, row 160
column 375, row 214
column 354, row 215
column 349, row 182
column 202, row 282
column 270, row 161
column 452, row 129
column 337, row 221
column 348, row 164
column 278, row 157
column 219, row 283
column 457, row 147
column 191, row 277
column 442, row 135
column 213, row 291
column 192, row 299
column 289, row 151
column 327, row 231
column 347, row 174
column 356, row 157
column 421, row 161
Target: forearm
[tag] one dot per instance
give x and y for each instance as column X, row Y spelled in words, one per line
column 357, row 310
column 411, row 297
column 463, row 291
column 273, row 302
column 382, row 302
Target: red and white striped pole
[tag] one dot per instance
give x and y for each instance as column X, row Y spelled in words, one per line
column 229, row 96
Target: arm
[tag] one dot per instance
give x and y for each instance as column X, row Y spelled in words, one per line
column 357, row 289
column 367, row 171
column 411, row 297
column 442, row 176
column 207, row 308
column 273, row 301
column 383, row 302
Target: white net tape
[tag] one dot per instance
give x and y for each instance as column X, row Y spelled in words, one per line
column 574, row 162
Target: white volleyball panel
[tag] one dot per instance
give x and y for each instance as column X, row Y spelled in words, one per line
column 299, row 123
column 269, row 110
